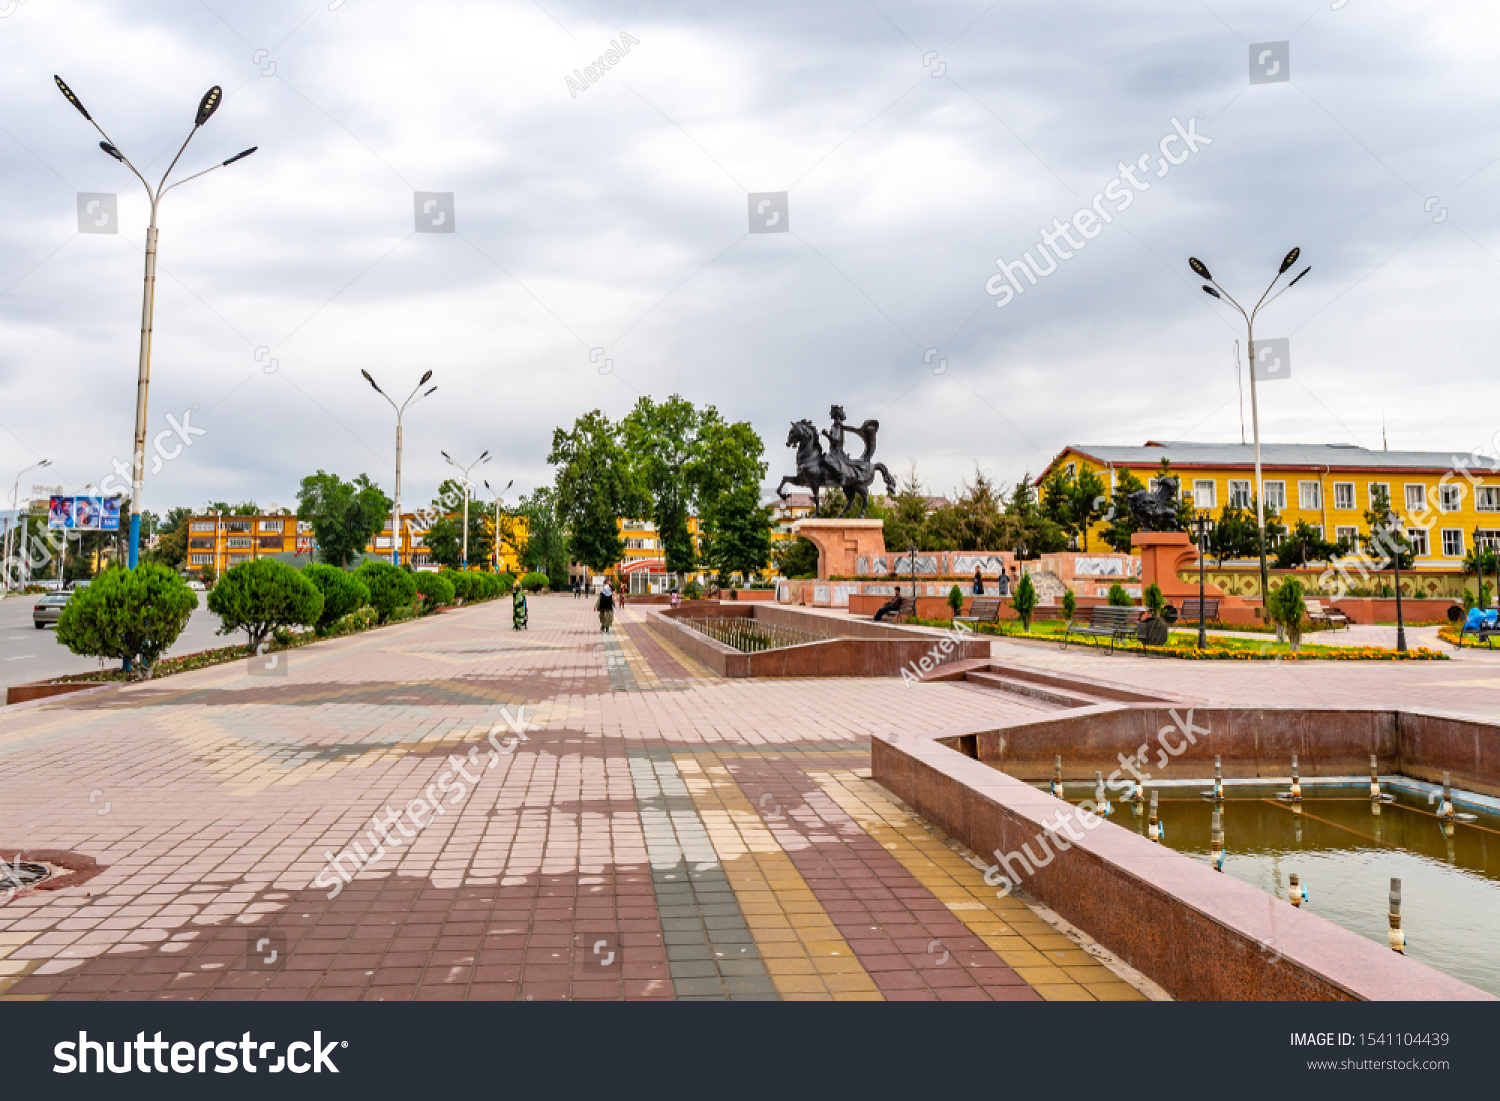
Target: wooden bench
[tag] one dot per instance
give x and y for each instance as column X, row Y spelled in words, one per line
column 1190, row 609
column 1107, row 620
column 1319, row 614
column 985, row 609
column 907, row 609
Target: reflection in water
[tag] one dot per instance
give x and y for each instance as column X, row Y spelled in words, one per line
column 1346, row 850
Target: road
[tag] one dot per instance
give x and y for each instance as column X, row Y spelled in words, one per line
column 27, row 654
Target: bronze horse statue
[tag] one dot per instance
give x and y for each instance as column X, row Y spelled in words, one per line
column 1155, row 509
column 816, row 469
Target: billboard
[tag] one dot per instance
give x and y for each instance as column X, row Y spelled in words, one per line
column 84, row 513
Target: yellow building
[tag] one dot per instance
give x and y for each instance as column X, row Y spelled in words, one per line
column 1445, row 501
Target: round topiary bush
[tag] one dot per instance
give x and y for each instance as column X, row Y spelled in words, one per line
column 436, row 591
column 133, row 615
column 533, row 582
column 692, row 591
column 390, row 587
column 1118, row 597
column 506, row 582
column 342, row 591
column 259, row 596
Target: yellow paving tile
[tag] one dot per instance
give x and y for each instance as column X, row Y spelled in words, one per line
column 1063, row 992
column 1115, row 992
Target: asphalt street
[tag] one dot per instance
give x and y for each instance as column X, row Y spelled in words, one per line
column 27, row 654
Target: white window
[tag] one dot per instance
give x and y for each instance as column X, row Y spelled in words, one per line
column 1276, row 495
column 304, row 527
column 203, row 525
column 201, row 559
column 383, row 541
column 1417, row 537
column 1453, row 543
column 1205, row 493
column 1487, row 498
column 270, row 525
column 239, row 541
column 1450, row 498
column 1343, row 496
column 1348, row 535
column 1416, row 497
column 1239, row 494
column 1380, row 489
column 416, row 541
column 1309, row 496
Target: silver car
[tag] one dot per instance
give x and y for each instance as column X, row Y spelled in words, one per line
column 48, row 609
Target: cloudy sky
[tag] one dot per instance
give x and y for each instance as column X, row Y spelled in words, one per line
column 601, row 245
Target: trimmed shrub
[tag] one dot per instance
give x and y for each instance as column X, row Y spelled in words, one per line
column 391, row 587
column 1118, row 597
column 342, row 591
column 259, row 596
column 463, row 583
column 1024, row 601
column 1153, row 599
column 133, row 615
column 956, row 599
column 1070, row 605
column 1287, row 609
column 692, row 591
column 533, row 582
column 506, row 582
column 435, row 590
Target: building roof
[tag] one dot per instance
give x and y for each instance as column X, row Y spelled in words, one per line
column 1338, row 456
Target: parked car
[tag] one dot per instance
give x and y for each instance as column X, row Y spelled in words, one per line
column 48, row 609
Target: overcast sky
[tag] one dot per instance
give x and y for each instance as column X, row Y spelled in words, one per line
column 601, row 246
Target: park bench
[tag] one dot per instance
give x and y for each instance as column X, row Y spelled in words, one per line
column 1190, row 611
column 1107, row 621
column 983, row 610
column 1319, row 614
column 907, row 609
column 1484, row 627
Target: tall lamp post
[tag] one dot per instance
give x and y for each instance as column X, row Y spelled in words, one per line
column 498, row 498
column 1205, row 525
column 468, row 482
column 15, row 507
column 411, row 399
column 1393, row 548
column 1201, row 270
column 206, row 107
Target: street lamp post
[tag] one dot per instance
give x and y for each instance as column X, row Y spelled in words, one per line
column 1205, row 525
column 1200, row 269
column 15, row 507
column 911, row 560
column 1393, row 548
column 484, row 458
column 498, row 498
column 400, row 409
column 206, row 107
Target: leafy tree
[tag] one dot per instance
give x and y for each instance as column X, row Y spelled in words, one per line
column 545, row 548
column 342, row 593
column 1035, row 534
column 131, row 615
column 796, row 557
column 261, row 595
column 1024, row 601
column 595, row 488
column 444, row 539
column 172, row 542
column 345, row 516
column 905, row 514
column 739, row 541
column 1386, row 542
column 391, row 588
column 244, row 508
column 533, row 582
column 1074, row 502
column 1306, row 544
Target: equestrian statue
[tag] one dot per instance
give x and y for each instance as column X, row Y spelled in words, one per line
column 1155, row 509
column 835, row 468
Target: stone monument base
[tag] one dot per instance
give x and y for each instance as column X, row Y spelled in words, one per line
column 841, row 542
column 1163, row 554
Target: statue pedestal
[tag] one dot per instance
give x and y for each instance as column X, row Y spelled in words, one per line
column 1163, row 554
column 841, row 542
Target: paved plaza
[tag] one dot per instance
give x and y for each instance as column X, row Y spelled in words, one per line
column 648, row 831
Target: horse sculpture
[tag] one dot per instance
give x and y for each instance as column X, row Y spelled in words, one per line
column 1155, row 509
column 816, row 469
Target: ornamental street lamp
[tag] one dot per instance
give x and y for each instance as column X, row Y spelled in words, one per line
column 467, row 484
column 411, row 399
column 1393, row 548
column 1201, row 270
column 1204, row 522
column 206, row 107
column 498, row 498
column 15, row 518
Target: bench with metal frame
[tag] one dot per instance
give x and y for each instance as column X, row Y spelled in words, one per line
column 907, row 609
column 1189, row 613
column 1107, row 620
column 1319, row 614
column 985, row 609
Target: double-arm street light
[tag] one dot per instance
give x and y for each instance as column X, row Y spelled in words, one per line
column 1213, row 288
column 206, row 107
column 1204, row 522
column 411, row 398
column 468, row 483
column 498, row 498
column 15, row 518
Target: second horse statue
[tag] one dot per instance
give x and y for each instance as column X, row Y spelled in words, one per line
column 836, row 468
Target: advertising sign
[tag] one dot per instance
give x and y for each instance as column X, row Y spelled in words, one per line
column 84, row 513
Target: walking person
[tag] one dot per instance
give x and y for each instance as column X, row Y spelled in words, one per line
column 978, row 582
column 605, row 606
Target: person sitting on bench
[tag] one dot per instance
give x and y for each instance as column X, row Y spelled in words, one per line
column 890, row 607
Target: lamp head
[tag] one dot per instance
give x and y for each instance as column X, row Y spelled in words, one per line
column 1291, row 258
column 423, row 380
column 112, row 151
column 432, row 391
column 71, row 98
column 1300, row 274
column 1200, row 269
column 370, row 380
column 240, row 156
column 1209, row 290
column 208, row 104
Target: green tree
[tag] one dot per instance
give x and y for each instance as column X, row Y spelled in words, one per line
column 906, row 514
column 1074, row 502
column 1070, row 605
column 1305, row 544
column 130, row 615
column 444, row 538
column 1121, row 525
column 739, row 540
column 1035, row 534
column 1118, row 597
column 1386, row 541
column 595, row 488
column 261, row 595
column 345, row 516
column 342, row 593
column 796, row 557
column 1286, row 608
column 545, row 546
column 1153, row 599
column 244, row 508
column 391, row 588
column 172, row 541
column 1024, row 601
column 956, row 599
